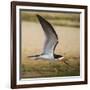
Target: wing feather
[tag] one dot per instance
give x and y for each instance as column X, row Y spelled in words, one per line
column 51, row 36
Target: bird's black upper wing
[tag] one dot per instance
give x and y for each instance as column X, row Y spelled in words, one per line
column 51, row 36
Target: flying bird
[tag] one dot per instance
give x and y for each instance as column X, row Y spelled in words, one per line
column 50, row 42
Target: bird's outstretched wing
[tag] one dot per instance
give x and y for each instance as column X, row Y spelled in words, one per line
column 51, row 36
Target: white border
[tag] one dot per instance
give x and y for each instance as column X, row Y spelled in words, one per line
column 52, row 79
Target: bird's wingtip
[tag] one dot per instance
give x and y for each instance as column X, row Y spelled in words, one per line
column 38, row 15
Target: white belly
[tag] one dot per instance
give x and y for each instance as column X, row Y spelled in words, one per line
column 47, row 56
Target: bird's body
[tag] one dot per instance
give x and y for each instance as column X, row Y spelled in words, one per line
column 50, row 42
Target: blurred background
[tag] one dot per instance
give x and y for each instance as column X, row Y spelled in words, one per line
column 62, row 19
column 67, row 27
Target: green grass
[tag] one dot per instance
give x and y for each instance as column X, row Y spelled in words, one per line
column 62, row 19
column 40, row 68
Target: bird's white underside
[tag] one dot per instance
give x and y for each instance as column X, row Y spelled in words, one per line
column 46, row 57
